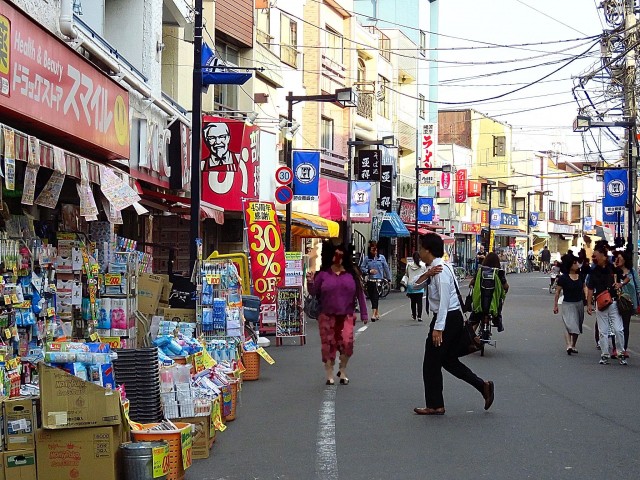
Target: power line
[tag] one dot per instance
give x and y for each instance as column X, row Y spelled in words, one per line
column 550, row 17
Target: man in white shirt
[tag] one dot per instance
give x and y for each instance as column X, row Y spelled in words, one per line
column 445, row 332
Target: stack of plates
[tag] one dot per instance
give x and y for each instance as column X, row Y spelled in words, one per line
column 138, row 370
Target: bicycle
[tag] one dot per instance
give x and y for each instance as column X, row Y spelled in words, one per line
column 553, row 282
column 460, row 273
column 383, row 285
column 484, row 332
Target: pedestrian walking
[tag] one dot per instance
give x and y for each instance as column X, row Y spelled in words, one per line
column 530, row 255
column 630, row 282
column 571, row 283
column 415, row 294
column 375, row 266
column 337, row 285
column 602, row 283
column 445, row 332
column 488, row 298
column 545, row 258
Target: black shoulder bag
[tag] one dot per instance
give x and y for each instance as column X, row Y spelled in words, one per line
column 469, row 339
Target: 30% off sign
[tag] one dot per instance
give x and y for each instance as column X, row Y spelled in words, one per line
column 267, row 243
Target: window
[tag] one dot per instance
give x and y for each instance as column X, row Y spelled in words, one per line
column 483, row 192
column 384, row 45
column 499, row 146
column 564, row 211
column 362, row 71
column 503, row 197
column 422, row 106
column 552, row 209
column 383, row 97
column 334, row 46
column 423, row 43
column 225, row 97
column 263, row 26
column 575, row 210
column 288, row 41
column 519, row 207
column 326, row 135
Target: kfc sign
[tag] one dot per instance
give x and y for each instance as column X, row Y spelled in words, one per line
column 47, row 84
column 230, row 162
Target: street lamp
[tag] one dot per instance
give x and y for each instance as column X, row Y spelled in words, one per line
column 491, row 184
column 546, row 193
column 344, row 97
column 444, row 169
column 387, row 141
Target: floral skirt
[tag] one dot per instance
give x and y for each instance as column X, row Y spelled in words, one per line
column 336, row 335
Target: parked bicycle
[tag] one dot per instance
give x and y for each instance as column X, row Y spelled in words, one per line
column 383, row 285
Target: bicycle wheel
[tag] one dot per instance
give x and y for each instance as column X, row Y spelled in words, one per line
column 384, row 289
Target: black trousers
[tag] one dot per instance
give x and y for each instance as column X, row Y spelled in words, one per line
column 445, row 356
column 416, row 304
column 372, row 291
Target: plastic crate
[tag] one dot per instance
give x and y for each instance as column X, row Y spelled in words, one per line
column 173, row 439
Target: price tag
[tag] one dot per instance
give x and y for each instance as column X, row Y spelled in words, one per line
column 7, row 333
column 207, row 360
column 113, row 279
column 7, row 300
column 186, row 444
column 94, row 337
column 160, row 461
column 263, row 353
column 51, row 312
column 13, row 363
column 213, row 279
column 14, row 298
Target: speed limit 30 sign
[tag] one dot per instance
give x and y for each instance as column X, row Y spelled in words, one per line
column 284, row 175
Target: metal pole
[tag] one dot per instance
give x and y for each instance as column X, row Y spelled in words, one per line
column 347, row 238
column 489, row 192
column 288, row 153
column 415, row 226
column 528, row 224
column 196, row 140
column 630, row 111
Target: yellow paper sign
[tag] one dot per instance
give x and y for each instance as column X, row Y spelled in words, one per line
column 160, row 461
column 7, row 333
column 113, row 279
column 115, row 342
column 51, row 312
column 7, row 300
column 207, row 360
column 13, row 363
column 213, row 279
column 186, row 443
column 263, row 353
column 94, row 337
column 14, row 298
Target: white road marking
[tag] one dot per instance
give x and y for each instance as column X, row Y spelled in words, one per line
column 326, row 455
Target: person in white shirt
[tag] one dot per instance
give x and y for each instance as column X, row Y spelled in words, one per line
column 445, row 332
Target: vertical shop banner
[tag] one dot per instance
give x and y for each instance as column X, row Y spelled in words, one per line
column 361, row 200
column 49, row 195
column 461, row 185
column 386, row 188
column 43, row 80
column 496, row 217
column 9, row 158
column 533, row 219
column 587, row 224
column 368, row 165
column 615, row 195
column 229, row 163
column 474, row 189
column 445, row 185
column 306, row 175
column 267, row 256
column 428, row 149
column 484, row 217
column 426, row 210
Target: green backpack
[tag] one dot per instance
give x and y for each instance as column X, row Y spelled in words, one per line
column 487, row 279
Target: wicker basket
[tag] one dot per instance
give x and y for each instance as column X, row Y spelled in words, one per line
column 173, row 439
column 251, row 361
column 234, row 401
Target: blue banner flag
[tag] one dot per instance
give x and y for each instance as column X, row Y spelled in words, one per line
column 306, row 175
column 533, row 219
column 361, row 200
column 425, row 209
column 615, row 195
column 495, row 217
column 587, row 224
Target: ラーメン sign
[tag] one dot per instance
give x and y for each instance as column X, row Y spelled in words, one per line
column 46, row 83
column 267, row 255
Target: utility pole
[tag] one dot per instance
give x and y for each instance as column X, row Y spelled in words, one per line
column 630, row 111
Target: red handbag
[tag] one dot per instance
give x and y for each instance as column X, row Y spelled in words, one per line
column 603, row 300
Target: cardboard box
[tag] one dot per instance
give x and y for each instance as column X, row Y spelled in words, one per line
column 166, row 288
column 179, row 315
column 82, row 453
column 200, row 435
column 20, row 465
column 69, row 402
column 149, row 290
column 19, row 424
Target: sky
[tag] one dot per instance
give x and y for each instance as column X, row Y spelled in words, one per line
column 540, row 126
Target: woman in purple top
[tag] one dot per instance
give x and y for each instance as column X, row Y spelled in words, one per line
column 337, row 285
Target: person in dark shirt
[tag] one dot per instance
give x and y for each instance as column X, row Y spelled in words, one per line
column 602, row 279
column 545, row 258
column 572, row 284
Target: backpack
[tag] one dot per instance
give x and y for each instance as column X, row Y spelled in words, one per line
column 488, row 286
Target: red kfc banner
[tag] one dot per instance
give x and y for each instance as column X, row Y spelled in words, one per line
column 474, row 189
column 58, row 92
column 229, row 162
column 461, row 185
column 266, row 253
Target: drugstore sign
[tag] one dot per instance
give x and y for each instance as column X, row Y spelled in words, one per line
column 43, row 80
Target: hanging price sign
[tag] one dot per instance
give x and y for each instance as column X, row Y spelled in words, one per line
column 113, row 279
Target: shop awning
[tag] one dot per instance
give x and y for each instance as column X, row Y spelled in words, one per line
column 505, row 232
column 306, row 225
column 333, row 199
column 541, row 234
column 424, row 231
column 392, row 226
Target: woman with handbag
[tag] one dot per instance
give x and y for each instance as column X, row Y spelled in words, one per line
column 602, row 284
column 628, row 303
column 415, row 294
column 337, row 286
column 375, row 266
column 571, row 283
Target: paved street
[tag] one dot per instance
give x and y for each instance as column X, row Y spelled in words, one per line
column 555, row 416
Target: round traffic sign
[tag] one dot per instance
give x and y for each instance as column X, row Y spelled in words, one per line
column 284, row 175
column 284, row 194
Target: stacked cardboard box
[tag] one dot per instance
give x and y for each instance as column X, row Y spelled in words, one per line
column 19, row 426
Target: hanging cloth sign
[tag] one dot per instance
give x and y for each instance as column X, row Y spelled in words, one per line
column 117, row 191
column 615, row 195
column 33, row 155
column 88, row 207
column 114, row 216
column 50, row 194
column 29, row 186
column 9, row 159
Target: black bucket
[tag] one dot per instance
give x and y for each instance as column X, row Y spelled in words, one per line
column 137, row 460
